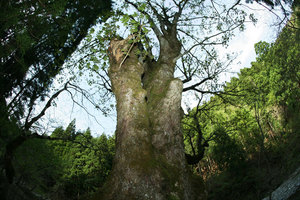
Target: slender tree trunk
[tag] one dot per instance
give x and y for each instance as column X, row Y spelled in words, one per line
column 150, row 161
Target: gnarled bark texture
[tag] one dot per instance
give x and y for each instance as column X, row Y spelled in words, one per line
column 150, row 161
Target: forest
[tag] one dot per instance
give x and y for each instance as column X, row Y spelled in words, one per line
column 240, row 141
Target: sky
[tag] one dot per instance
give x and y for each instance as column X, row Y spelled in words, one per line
column 243, row 44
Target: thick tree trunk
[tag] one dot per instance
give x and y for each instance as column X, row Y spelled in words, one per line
column 150, row 161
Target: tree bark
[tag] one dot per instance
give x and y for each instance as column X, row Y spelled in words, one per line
column 287, row 189
column 150, row 161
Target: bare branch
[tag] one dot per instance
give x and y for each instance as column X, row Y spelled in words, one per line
column 180, row 6
column 162, row 21
column 232, row 7
column 193, row 87
column 231, row 28
column 84, row 94
column 48, row 104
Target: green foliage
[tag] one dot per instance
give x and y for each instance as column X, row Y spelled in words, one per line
column 86, row 163
column 37, row 37
column 71, row 165
column 253, row 126
column 226, row 152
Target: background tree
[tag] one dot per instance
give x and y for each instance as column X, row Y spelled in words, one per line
column 254, row 134
column 69, row 165
column 37, row 37
column 86, row 163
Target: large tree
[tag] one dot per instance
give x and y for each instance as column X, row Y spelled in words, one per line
column 170, row 48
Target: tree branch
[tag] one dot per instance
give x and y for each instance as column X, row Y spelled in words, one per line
column 151, row 21
column 42, row 113
column 193, row 87
column 231, row 28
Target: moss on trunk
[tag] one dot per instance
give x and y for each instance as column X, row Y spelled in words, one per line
column 149, row 161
